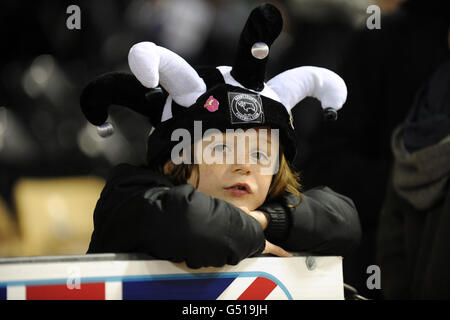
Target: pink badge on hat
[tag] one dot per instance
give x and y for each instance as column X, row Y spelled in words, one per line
column 211, row 104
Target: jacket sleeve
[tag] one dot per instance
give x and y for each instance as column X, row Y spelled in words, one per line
column 180, row 224
column 324, row 222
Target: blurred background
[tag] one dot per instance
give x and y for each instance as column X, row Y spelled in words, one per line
column 53, row 164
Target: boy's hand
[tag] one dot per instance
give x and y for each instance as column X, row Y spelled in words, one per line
column 270, row 248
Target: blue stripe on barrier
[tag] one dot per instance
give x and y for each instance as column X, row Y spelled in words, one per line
column 151, row 278
column 182, row 289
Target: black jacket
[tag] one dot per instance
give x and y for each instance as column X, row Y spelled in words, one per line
column 140, row 211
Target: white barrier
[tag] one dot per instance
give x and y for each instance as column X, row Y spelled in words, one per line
column 117, row 277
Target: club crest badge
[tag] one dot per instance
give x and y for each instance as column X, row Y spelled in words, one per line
column 245, row 108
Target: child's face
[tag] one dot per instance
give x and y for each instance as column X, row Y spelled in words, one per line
column 242, row 178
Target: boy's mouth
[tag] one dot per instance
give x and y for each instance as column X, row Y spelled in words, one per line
column 239, row 189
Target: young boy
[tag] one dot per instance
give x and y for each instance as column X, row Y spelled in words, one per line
column 216, row 200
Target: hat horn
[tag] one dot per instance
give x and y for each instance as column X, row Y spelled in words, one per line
column 119, row 88
column 294, row 85
column 263, row 26
column 152, row 64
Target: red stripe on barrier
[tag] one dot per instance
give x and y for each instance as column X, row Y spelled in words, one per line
column 86, row 291
column 258, row 290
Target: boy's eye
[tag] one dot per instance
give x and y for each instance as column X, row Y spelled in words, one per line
column 260, row 156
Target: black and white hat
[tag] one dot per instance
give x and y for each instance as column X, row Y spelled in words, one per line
column 173, row 94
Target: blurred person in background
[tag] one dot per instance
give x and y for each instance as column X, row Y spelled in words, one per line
column 413, row 238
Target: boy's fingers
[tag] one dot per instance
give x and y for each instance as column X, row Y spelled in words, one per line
column 280, row 252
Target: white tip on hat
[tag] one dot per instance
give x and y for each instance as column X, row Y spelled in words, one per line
column 260, row 50
column 105, row 130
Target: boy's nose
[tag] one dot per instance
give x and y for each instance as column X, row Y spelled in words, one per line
column 243, row 171
column 242, row 168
